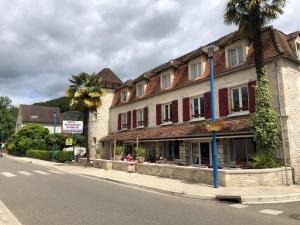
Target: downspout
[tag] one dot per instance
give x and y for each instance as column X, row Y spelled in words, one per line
column 280, row 119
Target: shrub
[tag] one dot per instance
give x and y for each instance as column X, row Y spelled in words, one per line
column 39, row 154
column 63, row 156
column 119, row 150
column 140, row 152
column 264, row 160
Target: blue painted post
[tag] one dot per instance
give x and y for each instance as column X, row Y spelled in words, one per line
column 54, row 128
column 213, row 118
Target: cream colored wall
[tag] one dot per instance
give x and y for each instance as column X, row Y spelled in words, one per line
column 99, row 128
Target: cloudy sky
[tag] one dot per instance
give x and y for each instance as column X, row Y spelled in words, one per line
column 43, row 42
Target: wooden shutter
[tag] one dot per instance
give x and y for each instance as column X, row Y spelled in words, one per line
column 223, row 102
column 146, row 116
column 134, row 119
column 175, row 111
column 119, row 121
column 207, row 105
column 129, row 120
column 251, row 96
column 186, row 109
column 158, row 114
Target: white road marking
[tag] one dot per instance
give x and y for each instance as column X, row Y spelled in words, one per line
column 24, row 173
column 271, row 212
column 238, row 206
column 55, row 171
column 8, row 174
column 41, row 172
column 6, row 216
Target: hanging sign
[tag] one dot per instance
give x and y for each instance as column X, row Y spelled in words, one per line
column 72, row 127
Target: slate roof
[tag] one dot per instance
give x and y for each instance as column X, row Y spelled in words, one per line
column 106, row 74
column 232, row 126
column 39, row 114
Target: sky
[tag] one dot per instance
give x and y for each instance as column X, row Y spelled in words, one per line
column 44, row 42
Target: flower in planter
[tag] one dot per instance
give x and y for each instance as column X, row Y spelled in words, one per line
column 214, row 126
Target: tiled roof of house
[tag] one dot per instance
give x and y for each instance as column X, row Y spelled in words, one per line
column 39, row 114
column 236, row 125
column 275, row 43
column 108, row 75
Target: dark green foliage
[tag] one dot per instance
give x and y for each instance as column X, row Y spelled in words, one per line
column 8, row 117
column 63, row 156
column 264, row 160
column 38, row 154
column 63, row 103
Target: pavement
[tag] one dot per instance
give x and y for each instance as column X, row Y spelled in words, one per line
column 247, row 195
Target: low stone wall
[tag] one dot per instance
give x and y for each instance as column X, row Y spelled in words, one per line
column 82, row 161
column 103, row 164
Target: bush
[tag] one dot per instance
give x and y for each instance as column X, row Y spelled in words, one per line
column 63, row 156
column 264, row 160
column 39, row 154
column 140, row 152
column 119, row 150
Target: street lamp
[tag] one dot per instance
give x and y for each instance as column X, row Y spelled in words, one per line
column 210, row 51
column 54, row 128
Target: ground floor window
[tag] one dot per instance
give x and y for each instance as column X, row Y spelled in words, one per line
column 200, row 153
column 241, row 150
column 171, row 150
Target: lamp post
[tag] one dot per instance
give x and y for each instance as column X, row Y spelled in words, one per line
column 54, row 128
column 210, row 51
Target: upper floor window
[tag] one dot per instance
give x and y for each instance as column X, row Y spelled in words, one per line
column 236, row 56
column 95, row 116
column 196, row 68
column 94, row 140
column 298, row 51
column 167, row 112
column 140, row 117
column 124, row 96
column 166, row 80
column 239, row 99
column 140, row 89
column 124, row 123
column 198, row 107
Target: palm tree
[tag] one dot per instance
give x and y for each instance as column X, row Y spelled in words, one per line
column 251, row 16
column 85, row 92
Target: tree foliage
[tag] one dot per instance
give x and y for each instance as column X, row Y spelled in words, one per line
column 63, row 103
column 8, row 117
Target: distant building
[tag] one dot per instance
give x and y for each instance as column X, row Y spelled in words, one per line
column 71, row 115
column 42, row 115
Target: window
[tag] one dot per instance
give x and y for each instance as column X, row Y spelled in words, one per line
column 239, row 99
column 298, row 51
column 195, row 70
column 236, row 56
column 140, row 89
column 124, row 95
column 140, row 117
column 241, row 150
column 95, row 116
column 94, row 140
column 124, row 121
column 198, row 107
column 167, row 112
column 166, row 80
column 171, row 150
column 201, row 153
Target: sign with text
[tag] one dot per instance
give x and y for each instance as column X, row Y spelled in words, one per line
column 72, row 127
column 69, row 141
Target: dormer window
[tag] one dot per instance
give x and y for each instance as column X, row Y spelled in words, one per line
column 140, row 89
column 236, row 56
column 196, row 68
column 166, row 80
column 124, row 94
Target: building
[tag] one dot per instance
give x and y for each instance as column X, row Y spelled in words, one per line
column 42, row 115
column 165, row 109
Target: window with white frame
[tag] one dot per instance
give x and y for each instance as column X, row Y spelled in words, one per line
column 167, row 112
column 140, row 89
column 124, row 94
column 165, row 80
column 239, row 99
column 298, row 51
column 195, row 70
column 124, row 124
column 198, row 107
column 140, row 117
column 236, row 56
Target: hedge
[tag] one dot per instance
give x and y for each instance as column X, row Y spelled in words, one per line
column 60, row 156
column 63, row 156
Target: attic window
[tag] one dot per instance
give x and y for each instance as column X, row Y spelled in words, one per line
column 33, row 117
column 166, row 80
column 140, row 89
column 236, row 56
column 124, row 95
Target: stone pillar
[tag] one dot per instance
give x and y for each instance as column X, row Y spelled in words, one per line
column 184, row 151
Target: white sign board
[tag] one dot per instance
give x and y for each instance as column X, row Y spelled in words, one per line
column 72, row 127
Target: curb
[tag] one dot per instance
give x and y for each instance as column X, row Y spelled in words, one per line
column 273, row 199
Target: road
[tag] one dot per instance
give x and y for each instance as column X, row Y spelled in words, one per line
column 37, row 195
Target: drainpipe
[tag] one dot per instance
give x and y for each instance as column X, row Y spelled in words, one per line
column 280, row 119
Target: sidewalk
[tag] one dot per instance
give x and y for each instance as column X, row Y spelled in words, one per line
column 249, row 195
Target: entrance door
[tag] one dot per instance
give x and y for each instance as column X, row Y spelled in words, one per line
column 200, row 153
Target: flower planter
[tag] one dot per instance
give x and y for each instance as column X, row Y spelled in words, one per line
column 117, row 157
column 98, row 156
column 140, row 159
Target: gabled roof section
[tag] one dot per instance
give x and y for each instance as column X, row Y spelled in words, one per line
column 39, row 114
column 293, row 35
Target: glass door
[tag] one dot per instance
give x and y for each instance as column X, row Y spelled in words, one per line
column 195, row 154
column 200, row 153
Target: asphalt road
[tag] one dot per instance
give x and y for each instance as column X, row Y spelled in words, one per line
column 37, row 198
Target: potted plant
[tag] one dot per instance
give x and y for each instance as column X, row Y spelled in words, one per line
column 216, row 126
column 118, row 152
column 98, row 153
column 140, row 152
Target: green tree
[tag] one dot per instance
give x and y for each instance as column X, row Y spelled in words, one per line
column 8, row 117
column 251, row 16
column 85, row 92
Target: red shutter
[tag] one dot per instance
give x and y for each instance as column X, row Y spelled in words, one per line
column 251, row 92
column 186, row 109
column 129, row 120
column 134, row 119
column 223, row 102
column 207, row 105
column 175, row 111
column 146, row 116
column 119, row 121
column 158, row 114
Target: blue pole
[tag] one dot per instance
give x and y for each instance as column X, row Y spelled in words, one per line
column 213, row 118
column 54, row 135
